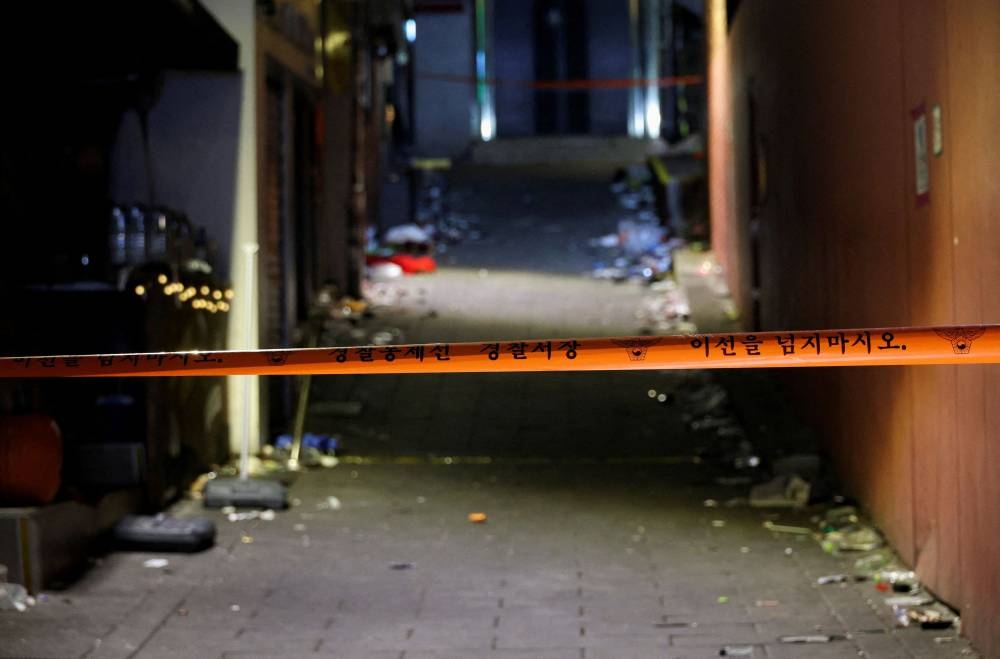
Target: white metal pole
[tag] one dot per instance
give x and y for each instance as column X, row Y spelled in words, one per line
column 250, row 326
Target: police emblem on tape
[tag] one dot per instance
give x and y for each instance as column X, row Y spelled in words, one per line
column 961, row 337
column 277, row 358
column 635, row 348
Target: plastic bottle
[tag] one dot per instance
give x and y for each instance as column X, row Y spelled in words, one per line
column 157, row 236
column 117, row 230
column 135, row 242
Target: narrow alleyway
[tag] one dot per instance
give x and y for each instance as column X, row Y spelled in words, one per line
column 613, row 528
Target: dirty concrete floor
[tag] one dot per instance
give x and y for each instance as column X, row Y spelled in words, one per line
column 597, row 542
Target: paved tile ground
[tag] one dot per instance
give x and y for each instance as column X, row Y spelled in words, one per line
column 597, row 544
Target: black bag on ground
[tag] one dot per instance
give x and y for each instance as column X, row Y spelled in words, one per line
column 245, row 493
column 162, row 533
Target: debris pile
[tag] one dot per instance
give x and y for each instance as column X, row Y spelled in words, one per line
column 723, row 443
column 842, row 530
column 666, row 310
column 642, row 246
column 410, row 248
column 798, row 482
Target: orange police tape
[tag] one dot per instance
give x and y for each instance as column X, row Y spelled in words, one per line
column 857, row 347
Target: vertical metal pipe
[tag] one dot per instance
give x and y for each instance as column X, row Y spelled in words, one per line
column 250, row 272
column 651, row 21
column 484, row 70
column 302, row 406
column 668, row 67
column 636, row 113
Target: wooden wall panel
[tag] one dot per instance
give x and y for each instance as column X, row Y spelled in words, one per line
column 931, row 264
column 973, row 33
column 844, row 242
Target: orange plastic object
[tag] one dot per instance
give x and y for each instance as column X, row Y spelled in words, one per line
column 31, row 452
column 855, row 347
column 477, row 518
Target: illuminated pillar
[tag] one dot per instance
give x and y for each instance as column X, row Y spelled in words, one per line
column 644, row 99
column 239, row 19
column 485, row 100
column 651, row 109
column 720, row 178
column 636, row 106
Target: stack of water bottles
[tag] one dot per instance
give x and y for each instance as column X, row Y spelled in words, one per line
column 139, row 235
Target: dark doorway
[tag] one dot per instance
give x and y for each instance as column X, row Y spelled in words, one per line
column 561, row 54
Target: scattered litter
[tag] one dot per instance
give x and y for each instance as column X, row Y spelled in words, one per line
column 925, row 617
column 299, row 527
column 402, row 566
column 607, row 240
column 780, row 492
column 410, row 263
column 234, row 608
column 156, row 563
column 722, row 599
column 782, row 528
column 244, row 516
column 228, row 510
column 838, row 578
column 736, row 651
column 945, row 639
column 383, row 271
column 744, row 550
column 477, row 518
column 839, row 517
column 767, row 603
column 718, row 523
column 406, row 233
column 331, row 503
column 812, row 638
column 14, row 597
column 859, row 538
column 909, row 600
column 789, row 551
column 246, row 539
column 315, row 443
column 267, row 515
column 930, row 618
column 711, row 423
column 872, row 563
column 384, row 337
column 709, row 398
column 711, row 503
column 898, row 581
